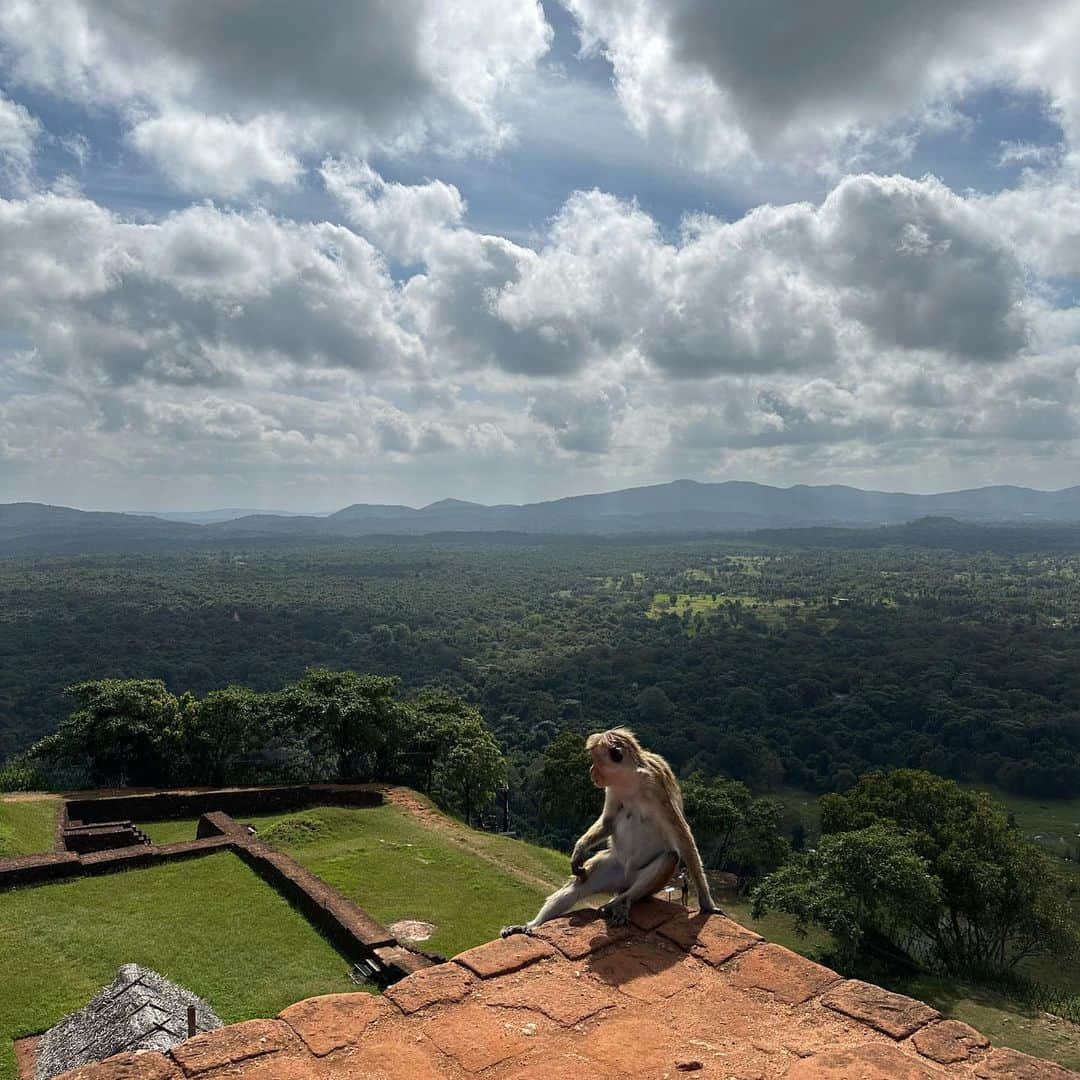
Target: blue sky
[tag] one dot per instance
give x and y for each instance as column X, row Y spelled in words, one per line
column 512, row 251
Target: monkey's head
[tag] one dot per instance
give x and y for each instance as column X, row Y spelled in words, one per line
column 615, row 755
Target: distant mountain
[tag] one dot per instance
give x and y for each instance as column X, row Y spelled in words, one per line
column 684, row 506
column 30, row 528
column 689, row 506
column 209, row 517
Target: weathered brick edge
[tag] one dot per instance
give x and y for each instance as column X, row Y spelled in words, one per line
column 162, row 805
column 53, row 866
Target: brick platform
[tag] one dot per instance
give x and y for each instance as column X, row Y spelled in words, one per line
column 673, row 996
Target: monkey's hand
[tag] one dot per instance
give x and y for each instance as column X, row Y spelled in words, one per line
column 577, row 864
column 517, row 928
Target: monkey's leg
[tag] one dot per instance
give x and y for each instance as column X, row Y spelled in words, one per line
column 603, row 874
column 652, row 876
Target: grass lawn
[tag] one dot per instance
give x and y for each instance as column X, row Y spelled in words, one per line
column 777, row 927
column 397, row 868
column 1052, row 823
column 208, row 924
column 170, row 832
column 28, row 826
column 1000, row 1018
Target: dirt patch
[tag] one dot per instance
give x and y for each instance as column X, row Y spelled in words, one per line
column 412, row 930
column 27, row 796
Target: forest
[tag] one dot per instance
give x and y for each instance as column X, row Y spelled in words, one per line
column 768, row 663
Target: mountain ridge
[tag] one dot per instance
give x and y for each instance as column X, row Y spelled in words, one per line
column 681, row 506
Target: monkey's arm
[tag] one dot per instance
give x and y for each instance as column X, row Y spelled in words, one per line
column 689, row 853
column 592, row 836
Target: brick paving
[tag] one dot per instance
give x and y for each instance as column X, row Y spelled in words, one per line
column 673, row 996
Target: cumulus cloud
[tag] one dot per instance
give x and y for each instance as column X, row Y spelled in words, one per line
column 581, row 421
column 734, row 82
column 279, row 79
column 19, row 132
column 203, row 297
column 200, row 153
column 895, row 318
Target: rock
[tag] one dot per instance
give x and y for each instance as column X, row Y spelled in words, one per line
column 949, row 1042
column 503, row 955
column 786, row 975
column 894, row 1014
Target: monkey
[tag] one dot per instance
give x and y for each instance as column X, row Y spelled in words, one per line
column 646, row 830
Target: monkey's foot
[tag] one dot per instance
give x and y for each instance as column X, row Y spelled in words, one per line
column 518, row 928
column 714, row 910
column 617, row 911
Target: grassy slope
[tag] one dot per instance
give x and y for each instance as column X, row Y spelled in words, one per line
column 27, row 826
column 209, row 924
column 395, row 867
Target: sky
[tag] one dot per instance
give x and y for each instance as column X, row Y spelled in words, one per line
column 273, row 255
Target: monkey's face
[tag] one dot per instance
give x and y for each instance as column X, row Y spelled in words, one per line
column 609, row 763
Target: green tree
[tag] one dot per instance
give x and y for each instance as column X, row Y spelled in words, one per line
column 735, row 831
column 999, row 898
column 869, row 881
column 124, row 731
column 355, row 717
column 568, row 798
column 472, row 770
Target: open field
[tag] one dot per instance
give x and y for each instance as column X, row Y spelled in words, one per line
column 396, row 867
column 27, row 826
column 208, row 924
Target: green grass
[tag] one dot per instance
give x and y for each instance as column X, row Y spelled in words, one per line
column 27, row 826
column 779, row 928
column 1054, row 822
column 208, row 924
column 397, row 868
column 1000, row 1018
column 170, row 832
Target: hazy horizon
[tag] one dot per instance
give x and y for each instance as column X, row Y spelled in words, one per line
column 326, row 510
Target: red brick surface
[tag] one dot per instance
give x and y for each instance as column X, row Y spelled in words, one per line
column 140, row 1065
column 504, row 954
column 786, row 975
column 883, row 1010
column 876, row 1061
column 648, row 1005
column 948, row 1042
column 713, row 938
column 218, row 1050
column 335, row 1021
column 437, row 985
column 1006, row 1064
column 580, row 933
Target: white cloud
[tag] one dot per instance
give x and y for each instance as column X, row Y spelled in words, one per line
column 204, row 296
column 1040, row 218
column 871, row 332
column 19, row 132
column 225, row 97
column 200, row 153
column 734, row 83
